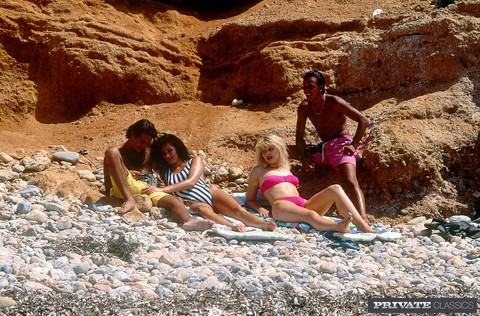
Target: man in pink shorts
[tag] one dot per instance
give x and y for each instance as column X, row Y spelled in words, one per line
column 329, row 113
column 331, row 152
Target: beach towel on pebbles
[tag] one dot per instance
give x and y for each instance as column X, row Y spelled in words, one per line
column 354, row 235
column 252, row 234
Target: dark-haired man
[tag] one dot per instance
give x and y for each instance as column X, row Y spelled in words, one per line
column 328, row 113
column 122, row 167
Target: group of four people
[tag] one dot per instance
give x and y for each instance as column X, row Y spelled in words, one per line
column 182, row 181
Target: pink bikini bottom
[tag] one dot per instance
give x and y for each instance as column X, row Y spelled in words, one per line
column 297, row 200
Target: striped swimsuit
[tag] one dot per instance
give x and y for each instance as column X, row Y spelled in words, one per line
column 200, row 191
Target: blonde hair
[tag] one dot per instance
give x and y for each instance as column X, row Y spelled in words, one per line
column 272, row 140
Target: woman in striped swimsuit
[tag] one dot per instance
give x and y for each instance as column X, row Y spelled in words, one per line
column 183, row 176
column 279, row 187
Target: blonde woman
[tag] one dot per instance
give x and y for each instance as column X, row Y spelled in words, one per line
column 279, row 187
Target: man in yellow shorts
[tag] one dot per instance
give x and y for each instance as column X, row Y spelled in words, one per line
column 122, row 167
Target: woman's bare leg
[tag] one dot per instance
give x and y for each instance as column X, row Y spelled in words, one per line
column 206, row 211
column 287, row 211
column 180, row 213
column 334, row 194
column 225, row 204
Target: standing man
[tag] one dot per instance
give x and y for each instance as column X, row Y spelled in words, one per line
column 328, row 113
column 122, row 167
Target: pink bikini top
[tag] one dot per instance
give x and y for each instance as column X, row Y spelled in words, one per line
column 275, row 179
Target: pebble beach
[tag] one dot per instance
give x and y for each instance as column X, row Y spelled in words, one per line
column 63, row 257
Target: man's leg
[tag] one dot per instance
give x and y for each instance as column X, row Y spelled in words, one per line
column 180, row 213
column 114, row 167
column 292, row 152
column 348, row 173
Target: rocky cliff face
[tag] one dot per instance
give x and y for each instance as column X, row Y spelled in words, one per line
column 413, row 69
column 75, row 54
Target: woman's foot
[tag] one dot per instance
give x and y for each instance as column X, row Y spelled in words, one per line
column 344, row 223
column 270, row 226
column 239, row 228
column 194, row 224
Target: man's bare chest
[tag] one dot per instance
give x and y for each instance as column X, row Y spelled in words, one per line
column 134, row 161
column 326, row 119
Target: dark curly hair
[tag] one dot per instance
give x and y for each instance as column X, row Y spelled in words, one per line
column 156, row 150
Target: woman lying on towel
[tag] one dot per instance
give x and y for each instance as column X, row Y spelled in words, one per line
column 279, row 187
column 183, row 176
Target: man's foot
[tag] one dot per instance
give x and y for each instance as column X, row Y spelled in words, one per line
column 344, row 223
column 126, row 207
column 369, row 230
column 365, row 227
column 194, row 224
column 270, row 226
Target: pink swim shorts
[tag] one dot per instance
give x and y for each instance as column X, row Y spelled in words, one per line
column 332, row 153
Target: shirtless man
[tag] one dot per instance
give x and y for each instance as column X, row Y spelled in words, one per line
column 122, row 167
column 328, row 113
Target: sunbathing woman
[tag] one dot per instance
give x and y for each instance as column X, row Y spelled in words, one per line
column 183, row 177
column 279, row 187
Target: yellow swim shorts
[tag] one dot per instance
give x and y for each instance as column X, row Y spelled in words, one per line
column 135, row 187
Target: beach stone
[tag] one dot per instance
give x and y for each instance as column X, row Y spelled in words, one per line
column 6, row 158
column 468, row 280
column 163, row 292
column 459, row 218
column 420, row 230
column 30, row 191
column 92, row 197
column 437, row 238
column 30, row 232
column 18, row 153
column 81, row 268
column 328, row 267
column 221, row 174
column 60, row 262
column 18, row 168
column 38, row 207
column 7, row 175
column 417, row 220
column 64, row 223
column 457, row 261
column 23, row 207
column 79, row 286
column 36, row 163
column 6, row 302
column 143, row 202
column 122, row 276
column 36, row 286
column 37, row 216
column 87, row 175
column 54, row 207
column 234, row 173
column 67, row 156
